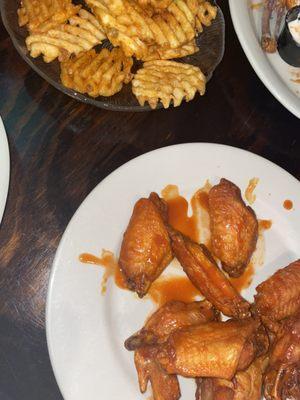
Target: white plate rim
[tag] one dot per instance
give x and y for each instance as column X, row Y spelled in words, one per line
column 55, row 263
column 258, row 59
column 4, row 168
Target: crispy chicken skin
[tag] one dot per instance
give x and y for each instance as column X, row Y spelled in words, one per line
column 164, row 386
column 279, row 296
column 146, row 248
column 234, row 227
column 214, row 349
column 167, row 319
column 204, row 273
column 246, row 385
column 170, row 317
column 282, row 381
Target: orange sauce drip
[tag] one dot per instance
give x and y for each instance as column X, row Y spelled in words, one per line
column 244, row 280
column 109, row 262
column 202, row 198
column 288, row 204
column 178, row 212
column 170, row 288
column 264, row 224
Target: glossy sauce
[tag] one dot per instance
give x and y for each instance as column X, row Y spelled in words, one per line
column 169, row 288
column 249, row 192
column 244, row 281
column 109, row 262
column 264, row 224
column 288, row 204
column 178, row 212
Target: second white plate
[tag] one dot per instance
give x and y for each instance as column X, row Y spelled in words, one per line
column 86, row 330
column 270, row 68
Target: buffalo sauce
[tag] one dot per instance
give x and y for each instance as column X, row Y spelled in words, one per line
column 178, row 212
column 167, row 288
column 109, row 262
column 288, row 204
column 243, row 281
column 264, row 224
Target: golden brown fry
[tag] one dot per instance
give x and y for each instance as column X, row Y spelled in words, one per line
column 204, row 273
column 282, row 381
column 234, row 227
column 161, row 53
column 246, row 385
column 170, row 317
column 214, row 349
column 206, row 13
column 97, row 74
column 82, row 33
column 43, row 14
column 156, row 4
column 167, row 81
column 164, row 386
column 146, row 248
column 279, row 296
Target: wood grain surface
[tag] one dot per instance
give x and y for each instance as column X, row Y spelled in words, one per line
column 61, row 149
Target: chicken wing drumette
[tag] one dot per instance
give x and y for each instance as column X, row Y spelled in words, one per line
column 279, row 296
column 282, row 381
column 234, row 227
column 167, row 319
column 205, row 275
column 214, row 349
column 146, row 248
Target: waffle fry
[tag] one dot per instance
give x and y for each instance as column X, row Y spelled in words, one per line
column 82, row 33
column 100, row 74
column 167, row 81
column 41, row 15
column 206, row 13
column 156, row 4
column 129, row 25
column 160, row 53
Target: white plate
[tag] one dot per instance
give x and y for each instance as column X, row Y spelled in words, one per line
column 271, row 69
column 86, row 330
column 4, row 168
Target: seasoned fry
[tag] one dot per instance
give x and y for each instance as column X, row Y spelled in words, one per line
column 206, row 13
column 96, row 74
column 156, row 4
column 167, row 81
column 41, row 15
column 160, row 53
column 82, row 33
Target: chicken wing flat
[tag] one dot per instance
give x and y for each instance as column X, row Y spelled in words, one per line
column 214, row 349
column 234, row 227
column 282, row 381
column 246, row 385
column 170, row 317
column 279, row 296
column 164, row 386
column 146, row 248
column 206, row 276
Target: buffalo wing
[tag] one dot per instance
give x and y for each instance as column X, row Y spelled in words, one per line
column 234, row 227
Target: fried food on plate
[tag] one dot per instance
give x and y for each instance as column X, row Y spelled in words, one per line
column 205, row 14
column 282, row 381
column 82, row 33
column 42, row 14
column 160, row 53
column 167, row 81
column 279, row 296
column 246, row 385
column 234, row 227
column 146, row 248
column 97, row 74
column 214, row 349
column 205, row 275
column 170, row 317
column 156, row 4
column 164, row 386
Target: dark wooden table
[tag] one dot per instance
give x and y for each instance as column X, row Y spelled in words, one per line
column 61, row 149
